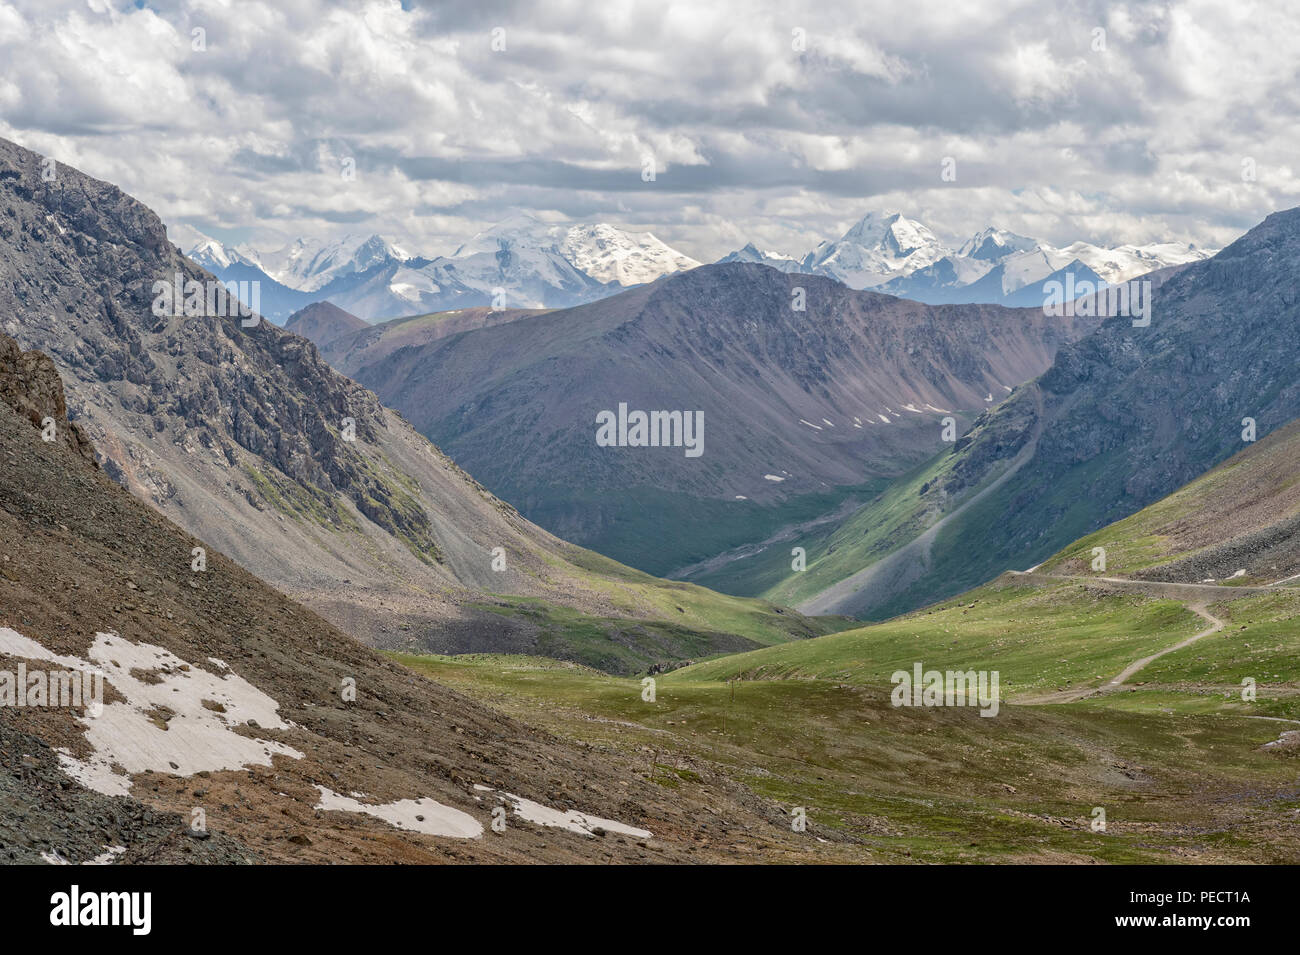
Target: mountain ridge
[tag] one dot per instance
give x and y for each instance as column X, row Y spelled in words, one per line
column 521, row 262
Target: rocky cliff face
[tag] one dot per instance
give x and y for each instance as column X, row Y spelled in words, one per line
column 30, row 385
column 82, row 259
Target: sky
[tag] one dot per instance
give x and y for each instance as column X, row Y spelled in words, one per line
column 777, row 122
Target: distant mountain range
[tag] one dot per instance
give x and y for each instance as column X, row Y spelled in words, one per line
column 519, row 263
column 900, row 256
column 526, row 263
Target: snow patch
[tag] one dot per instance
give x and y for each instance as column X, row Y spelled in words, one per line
column 415, row 815
column 571, row 820
column 138, row 736
column 104, row 858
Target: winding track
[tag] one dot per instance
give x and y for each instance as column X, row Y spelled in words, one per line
column 1188, row 593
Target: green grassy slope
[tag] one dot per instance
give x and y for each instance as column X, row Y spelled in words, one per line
column 1187, row 767
column 1038, row 639
column 896, row 514
column 669, row 530
column 653, row 620
column 1237, row 516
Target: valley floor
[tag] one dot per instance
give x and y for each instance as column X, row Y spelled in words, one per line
column 1178, row 765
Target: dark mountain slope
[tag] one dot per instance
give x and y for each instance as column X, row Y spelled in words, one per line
column 798, row 405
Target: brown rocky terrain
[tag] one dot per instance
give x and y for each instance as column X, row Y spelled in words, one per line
column 364, row 346
column 323, row 322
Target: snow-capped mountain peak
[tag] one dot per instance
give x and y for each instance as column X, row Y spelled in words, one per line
column 600, row 251
column 752, row 253
column 212, row 254
column 609, row 255
column 526, row 262
column 310, row 264
column 892, row 231
column 992, row 244
column 880, row 246
column 1129, row 261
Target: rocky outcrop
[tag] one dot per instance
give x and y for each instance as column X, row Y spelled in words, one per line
column 30, row 384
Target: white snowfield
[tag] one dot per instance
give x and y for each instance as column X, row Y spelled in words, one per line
column 416, row 815
column 127, row 739
column 104, row 858
column 572, row 820
column 608, row 254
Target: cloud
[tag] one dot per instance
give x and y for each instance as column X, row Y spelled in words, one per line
column 1111, row 122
